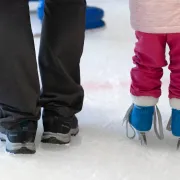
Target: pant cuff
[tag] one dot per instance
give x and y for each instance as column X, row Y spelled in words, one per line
column 175, row 103
column 144, row 100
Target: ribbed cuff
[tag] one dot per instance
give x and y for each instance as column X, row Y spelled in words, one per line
column 145, row 100
column 175, row 103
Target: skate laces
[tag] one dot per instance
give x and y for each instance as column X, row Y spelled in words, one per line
column 169, row 124
column 170, row 129
column 126, row 120
column 157, row 118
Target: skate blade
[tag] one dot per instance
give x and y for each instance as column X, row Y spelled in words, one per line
column 142, row 138
column 178, row 144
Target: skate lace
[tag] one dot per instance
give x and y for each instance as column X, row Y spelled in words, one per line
column 157, row 118
column 169, row 124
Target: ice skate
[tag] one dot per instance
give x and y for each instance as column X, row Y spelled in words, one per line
column 174, row 125
column 140, row 119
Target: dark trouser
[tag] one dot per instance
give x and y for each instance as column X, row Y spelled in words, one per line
column 60, row 52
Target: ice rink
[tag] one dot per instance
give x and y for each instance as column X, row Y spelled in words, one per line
column 101, row 151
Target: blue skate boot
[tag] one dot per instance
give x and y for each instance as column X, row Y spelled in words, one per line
column 174, row 125
column 140, row 119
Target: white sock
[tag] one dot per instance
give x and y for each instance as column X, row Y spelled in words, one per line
column 145, row 100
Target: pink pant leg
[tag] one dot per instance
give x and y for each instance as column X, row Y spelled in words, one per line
column 149, row 59
column 173, row 41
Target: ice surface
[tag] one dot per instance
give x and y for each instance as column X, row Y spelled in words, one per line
column 101, row 151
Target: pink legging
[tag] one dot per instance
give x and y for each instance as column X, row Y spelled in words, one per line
column 149, row 59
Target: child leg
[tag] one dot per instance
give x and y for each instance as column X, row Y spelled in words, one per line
column 146, row 84
column 173, row 41
column 149, row 59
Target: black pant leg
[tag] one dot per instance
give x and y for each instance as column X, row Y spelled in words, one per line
column 61, row 48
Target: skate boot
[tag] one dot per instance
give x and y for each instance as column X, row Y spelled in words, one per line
column 20, row 138
column 174, row 125
column 58, row 129
column 140, row 119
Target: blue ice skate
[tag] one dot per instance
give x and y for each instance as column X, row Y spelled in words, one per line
column 140, row 119
column 174, row 125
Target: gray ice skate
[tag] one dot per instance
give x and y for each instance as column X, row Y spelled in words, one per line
column 170, row 129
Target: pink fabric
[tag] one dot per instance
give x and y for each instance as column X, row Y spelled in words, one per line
column 149, row 59
column 155, row 16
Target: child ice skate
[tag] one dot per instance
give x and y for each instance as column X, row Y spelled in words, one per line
column 156, row 23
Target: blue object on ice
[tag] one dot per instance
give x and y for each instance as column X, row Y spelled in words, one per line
column 95, row 24
column 40, row 10
column 94, row 16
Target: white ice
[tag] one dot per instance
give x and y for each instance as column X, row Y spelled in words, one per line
column 101, row 151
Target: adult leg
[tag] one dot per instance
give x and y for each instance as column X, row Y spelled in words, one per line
column 61, row 48
column 19, row 84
